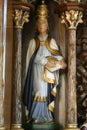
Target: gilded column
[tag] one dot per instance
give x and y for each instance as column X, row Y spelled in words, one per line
column 71, row 18
column 21, row 15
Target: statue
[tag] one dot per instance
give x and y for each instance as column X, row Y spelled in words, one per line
column 43, row 63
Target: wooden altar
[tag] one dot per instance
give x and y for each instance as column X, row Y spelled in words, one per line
column 17, row 27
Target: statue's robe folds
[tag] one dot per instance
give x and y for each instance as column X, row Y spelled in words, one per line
column 41, row 81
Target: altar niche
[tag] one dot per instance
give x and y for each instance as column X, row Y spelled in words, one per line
column 57, row 31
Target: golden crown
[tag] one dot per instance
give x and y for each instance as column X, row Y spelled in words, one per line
column 42, row 11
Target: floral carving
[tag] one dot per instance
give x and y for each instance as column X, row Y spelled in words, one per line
column 71, row 18
column 20, row 17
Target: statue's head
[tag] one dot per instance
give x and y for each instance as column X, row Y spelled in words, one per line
column 42, row 17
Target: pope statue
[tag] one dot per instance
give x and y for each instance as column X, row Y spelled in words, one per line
column 43, row 63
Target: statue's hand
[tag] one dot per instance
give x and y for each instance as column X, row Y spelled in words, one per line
column 50, row 64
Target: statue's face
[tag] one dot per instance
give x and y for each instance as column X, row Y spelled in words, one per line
column 42, row 25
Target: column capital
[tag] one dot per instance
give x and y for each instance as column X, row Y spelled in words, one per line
column 72, row 18
column 71, row 14
column 21, row 11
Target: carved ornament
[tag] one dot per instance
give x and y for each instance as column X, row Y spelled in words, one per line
column 82, row 73
column 20, row 17
column 21, row 13
column 72, row 18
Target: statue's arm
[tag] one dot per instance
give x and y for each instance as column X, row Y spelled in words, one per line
column 56, row 61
